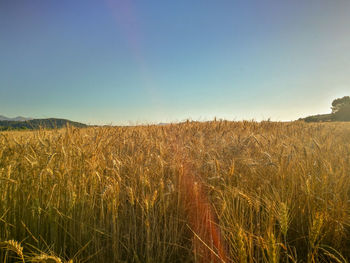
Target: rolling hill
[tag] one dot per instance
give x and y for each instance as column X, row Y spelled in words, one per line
column 32, row 124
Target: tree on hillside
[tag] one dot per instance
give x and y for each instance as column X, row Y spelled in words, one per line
column 339, row 104
column 341, row 109
column 340, row 112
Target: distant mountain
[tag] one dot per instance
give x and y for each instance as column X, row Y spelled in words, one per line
column 51, row 123
column 18, row 118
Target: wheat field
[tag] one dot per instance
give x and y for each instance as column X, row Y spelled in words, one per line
column 215, row 191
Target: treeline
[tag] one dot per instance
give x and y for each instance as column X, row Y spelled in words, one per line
column 51, row 123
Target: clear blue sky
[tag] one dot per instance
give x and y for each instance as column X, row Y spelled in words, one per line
column 108, row 61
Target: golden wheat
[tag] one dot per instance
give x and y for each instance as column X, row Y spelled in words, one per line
column 193, row 192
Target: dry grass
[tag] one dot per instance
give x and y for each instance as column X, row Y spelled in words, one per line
column 193, row 192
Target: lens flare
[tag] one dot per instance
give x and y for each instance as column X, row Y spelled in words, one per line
column 207, row 239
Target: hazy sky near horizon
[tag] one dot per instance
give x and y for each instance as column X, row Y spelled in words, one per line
column 121, row 61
